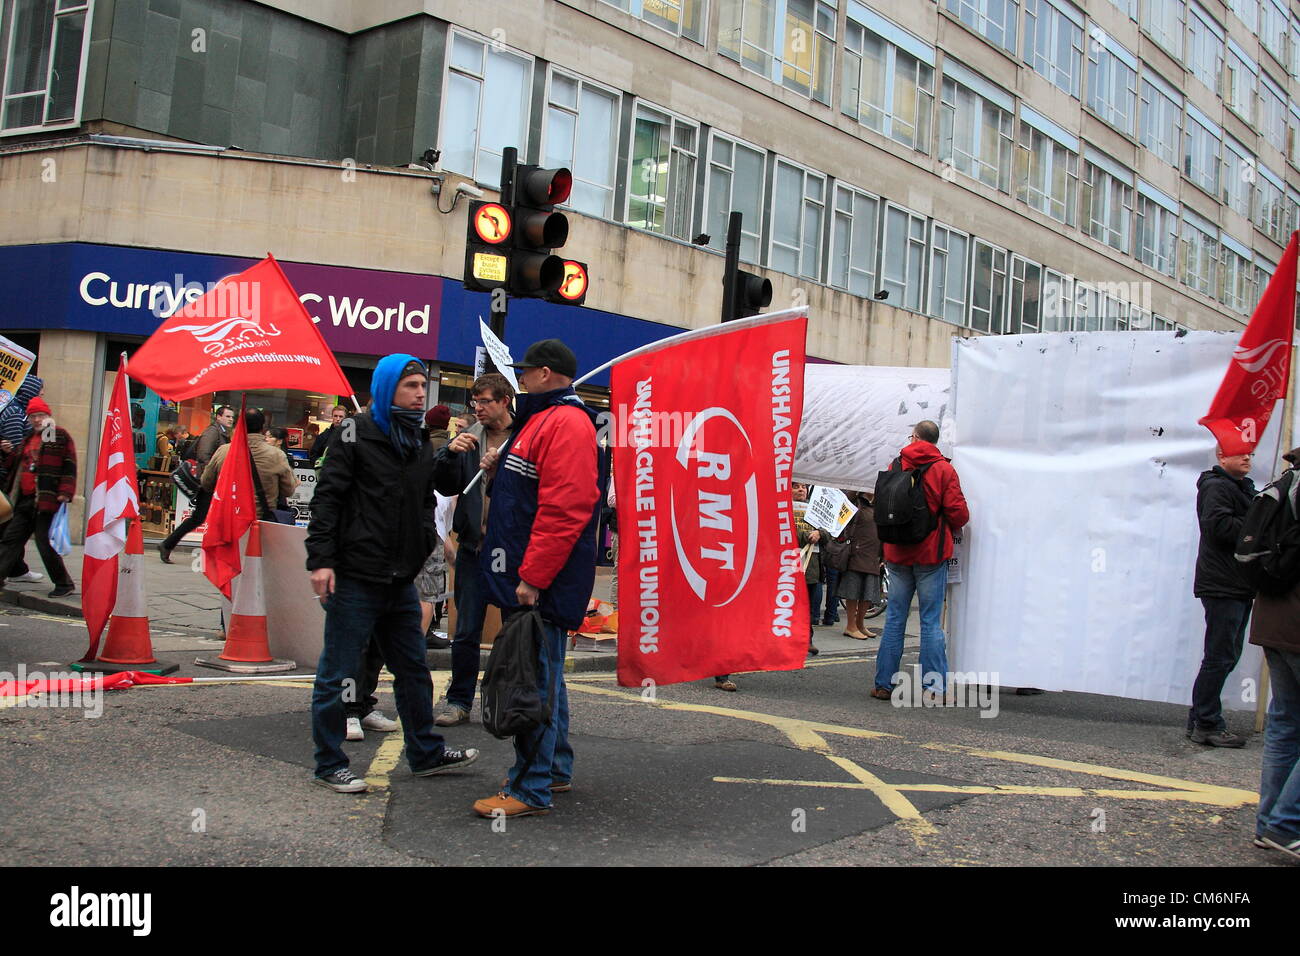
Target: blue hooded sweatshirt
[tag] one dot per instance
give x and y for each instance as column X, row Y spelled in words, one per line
column 383, row 384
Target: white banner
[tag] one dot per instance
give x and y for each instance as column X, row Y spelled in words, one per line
column 830, row 510
column 500, row 354
column 856, row 419
column 1079, row 455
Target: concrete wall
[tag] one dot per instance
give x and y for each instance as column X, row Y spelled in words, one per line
column 252, row 77
column 390, row 109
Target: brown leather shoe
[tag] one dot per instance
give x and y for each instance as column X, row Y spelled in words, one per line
column 504, row 805
column 880, row 693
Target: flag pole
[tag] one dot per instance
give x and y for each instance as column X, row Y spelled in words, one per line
column 700, row 333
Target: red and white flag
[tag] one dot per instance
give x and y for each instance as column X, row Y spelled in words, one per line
column 233, row 511
column 113, row 501
column 710, row 576
column 1260, row 369
column 249, row 331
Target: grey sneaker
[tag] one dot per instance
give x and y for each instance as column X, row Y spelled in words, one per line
column 354, row 731
column 1216, row 738
column 451, row 760
column 377, row 721
column 1289, row 845
column 343, row 781
column 451, row 716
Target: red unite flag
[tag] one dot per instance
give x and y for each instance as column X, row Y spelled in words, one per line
column 710, row 575
column 113, row 501
column 233, row 511
column 249, row 331
column 1260, row 369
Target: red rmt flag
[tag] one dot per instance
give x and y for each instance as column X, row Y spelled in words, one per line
column 710, row 575
column 1260, row 369
column 113, row 501
column 233, row 511
column 249, row 331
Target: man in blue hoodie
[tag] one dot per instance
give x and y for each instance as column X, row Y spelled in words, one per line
column 371, row 529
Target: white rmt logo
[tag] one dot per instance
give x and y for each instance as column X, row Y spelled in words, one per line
column 74, row 908
column 1252, row 360
column 714, row 508
column 221, row 337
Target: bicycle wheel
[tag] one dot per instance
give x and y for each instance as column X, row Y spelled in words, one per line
column 879, row 608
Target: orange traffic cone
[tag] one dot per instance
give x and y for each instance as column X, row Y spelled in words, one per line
column 128, row 645
column 247, row 649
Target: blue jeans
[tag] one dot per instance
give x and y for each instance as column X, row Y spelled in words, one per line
column 927, row 582
column 391, row 612
column 551, row 756
column 1279, row 778
column 832, row 580
column 814, row 605
column 1225, row 630
column 471, row 608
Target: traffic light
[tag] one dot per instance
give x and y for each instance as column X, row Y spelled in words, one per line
column 573, row 287
column 487, row 245
column 538, row 229
column 749, row 294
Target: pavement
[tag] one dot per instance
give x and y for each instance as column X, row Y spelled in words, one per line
column 184, row 605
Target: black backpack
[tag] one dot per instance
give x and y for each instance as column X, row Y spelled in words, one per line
column 1268, row 550
column 510, row 702
column 902, row 515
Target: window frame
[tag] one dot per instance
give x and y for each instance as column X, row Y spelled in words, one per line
column 615, row 125
column 922, row 122
column 1057, row 20
column 916, row 238
column 1104, row 76
column 779, row 25
column 748, row 230
column 833, row 251
column 995, row 323
column 1005, row 133
column 489, row 46
column 1171, row 152
column 85, row 8
column 949, row 279
column 675, row 119
column 636, row 9
column 978, row 23
column 807, row 174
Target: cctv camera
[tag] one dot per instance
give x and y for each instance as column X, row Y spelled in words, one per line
column 469, row 190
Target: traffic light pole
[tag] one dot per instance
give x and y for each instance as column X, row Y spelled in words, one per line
column 729, row 270
column 500, row 301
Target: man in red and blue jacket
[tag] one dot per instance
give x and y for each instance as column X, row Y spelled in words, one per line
column 540, row 549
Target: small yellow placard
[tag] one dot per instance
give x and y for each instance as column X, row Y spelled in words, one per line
column 489, row 268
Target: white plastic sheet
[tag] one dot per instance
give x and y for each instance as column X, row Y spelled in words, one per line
column 856, row 418
column 1079, row 455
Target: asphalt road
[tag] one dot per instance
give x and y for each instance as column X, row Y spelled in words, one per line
column 796, row 768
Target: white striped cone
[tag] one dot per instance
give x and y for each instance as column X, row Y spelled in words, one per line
column 246, row 634
column 128, row 630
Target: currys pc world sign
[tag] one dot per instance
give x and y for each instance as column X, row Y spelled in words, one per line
column 130, row 291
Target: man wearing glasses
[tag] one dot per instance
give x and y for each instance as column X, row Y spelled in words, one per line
column 454, row 465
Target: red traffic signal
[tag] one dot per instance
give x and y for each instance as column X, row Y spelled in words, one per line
column 573, row 286
column 490, row 222
column 535, row 186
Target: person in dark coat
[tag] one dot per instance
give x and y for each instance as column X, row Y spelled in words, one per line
column 372, row 526
column 43, row 473
column 1275, row 626
column 322, row 442
column 1222, row 497
column 860, row 582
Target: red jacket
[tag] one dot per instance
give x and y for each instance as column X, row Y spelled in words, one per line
column 56, row 468
column 943, row 495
